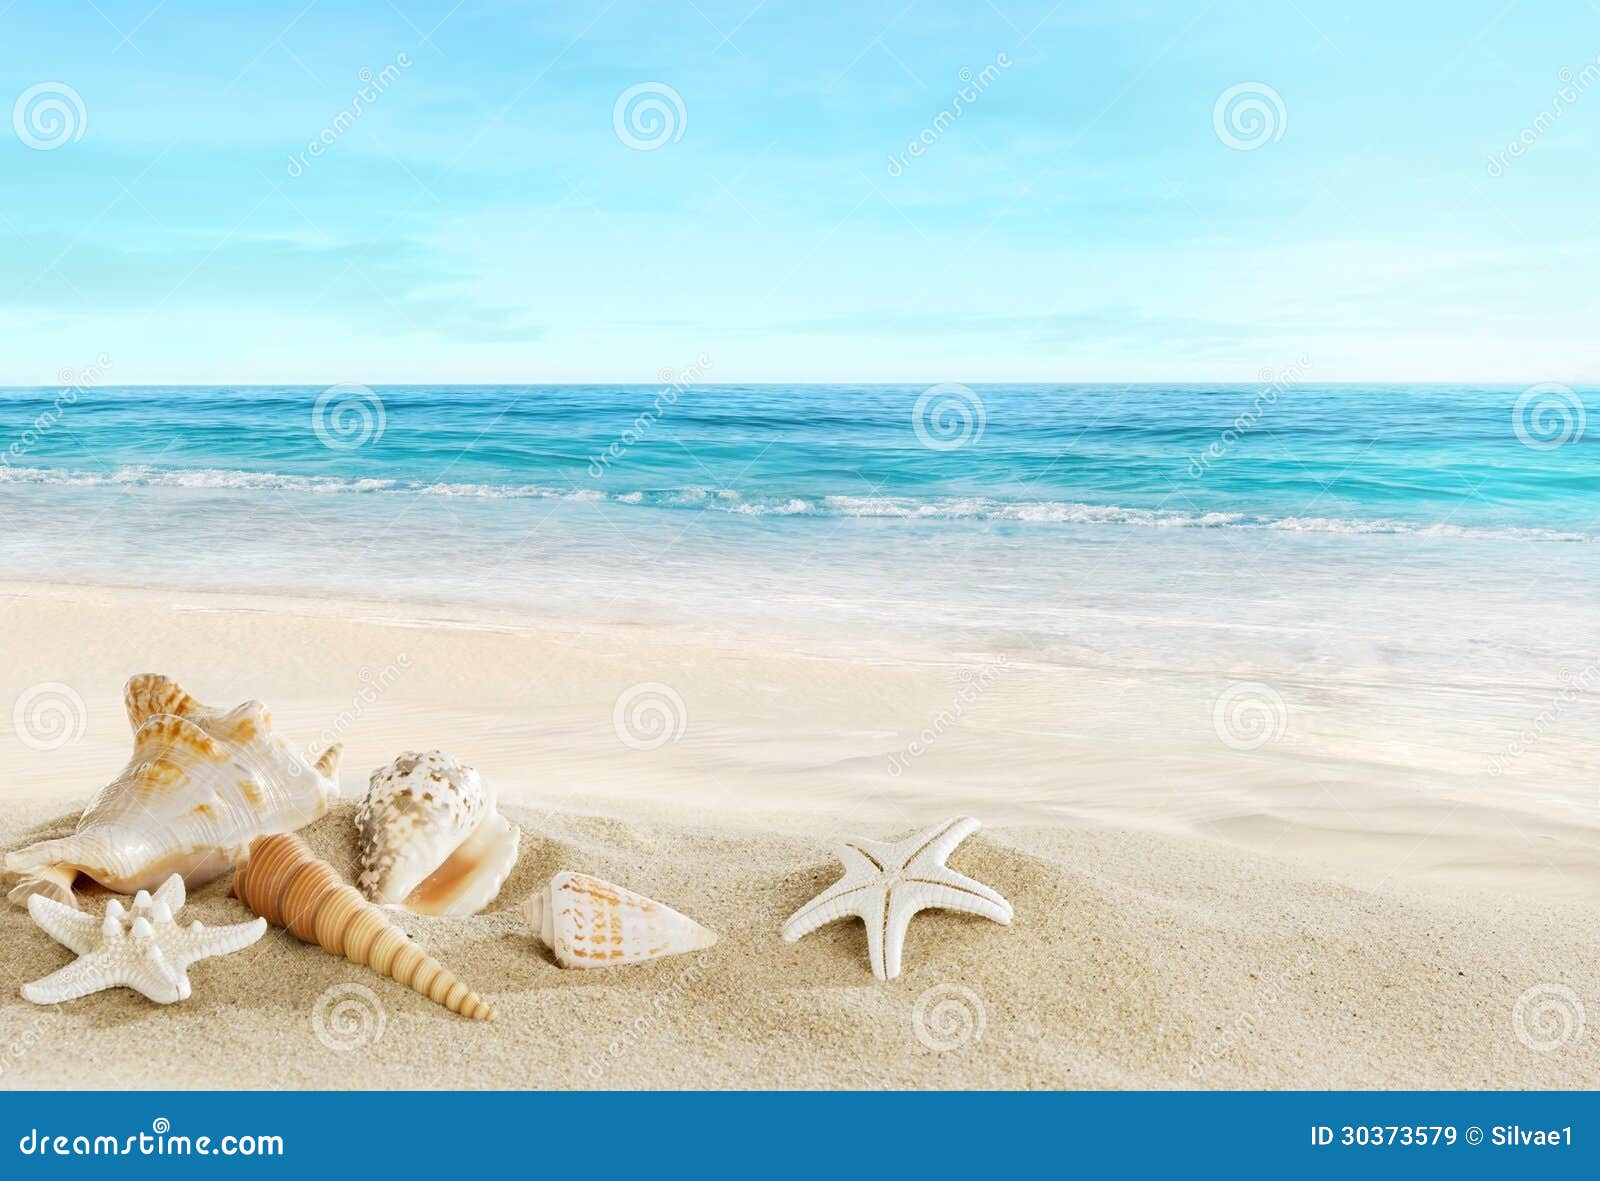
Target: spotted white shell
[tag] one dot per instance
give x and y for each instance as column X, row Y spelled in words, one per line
column 431, row 839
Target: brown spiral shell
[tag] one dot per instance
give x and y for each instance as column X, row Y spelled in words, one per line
column 289, row 886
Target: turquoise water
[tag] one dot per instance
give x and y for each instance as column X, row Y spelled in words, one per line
column 1180, row 524
column 1304, row 457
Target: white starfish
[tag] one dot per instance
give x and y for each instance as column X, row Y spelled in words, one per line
column 884, row 885
column 143, row 949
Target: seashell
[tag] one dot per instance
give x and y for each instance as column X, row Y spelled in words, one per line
column 431, row 840
column 289, row 886
column 201, row 784
column 591, row 923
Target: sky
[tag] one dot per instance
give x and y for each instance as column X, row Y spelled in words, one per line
column 505, row 192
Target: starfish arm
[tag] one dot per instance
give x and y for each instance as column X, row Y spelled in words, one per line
column 67, row 925
column 932, row 846
column 157, row 985
column 198, row 941
column 159, row 978
column 949, row 890
column 883, row 947
column 79, row 978
column 838, row 901
column 904, row 902
column 861, row 856
column 171, row 892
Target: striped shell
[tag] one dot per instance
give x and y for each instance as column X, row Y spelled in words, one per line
column 289, row 886
column 591, row 923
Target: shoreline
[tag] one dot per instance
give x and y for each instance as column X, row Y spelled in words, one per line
column 1188, row 914
column 552, row 709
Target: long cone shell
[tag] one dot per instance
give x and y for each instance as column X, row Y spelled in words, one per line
column 202, row 783
column 591, row 923
column 289, row 886
column 431, row 839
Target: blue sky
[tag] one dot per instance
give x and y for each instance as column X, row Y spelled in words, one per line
column 1082, row 218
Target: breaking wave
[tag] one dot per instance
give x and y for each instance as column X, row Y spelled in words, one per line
column 1038, row 512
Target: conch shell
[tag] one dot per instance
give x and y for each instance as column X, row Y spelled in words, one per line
column 289, row 886
column 201, row 784
column 431, row 840
column 591, row 923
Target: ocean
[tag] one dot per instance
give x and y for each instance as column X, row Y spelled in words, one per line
column 1185, row 524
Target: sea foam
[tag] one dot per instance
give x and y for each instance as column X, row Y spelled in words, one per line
column 726, row 500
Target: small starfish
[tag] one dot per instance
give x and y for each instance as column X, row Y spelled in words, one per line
column 143, row 949
column 884, row 885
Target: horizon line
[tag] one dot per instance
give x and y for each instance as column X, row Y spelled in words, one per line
column 603, row 383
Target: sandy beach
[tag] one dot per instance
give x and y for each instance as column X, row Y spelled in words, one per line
column 1187, row 914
